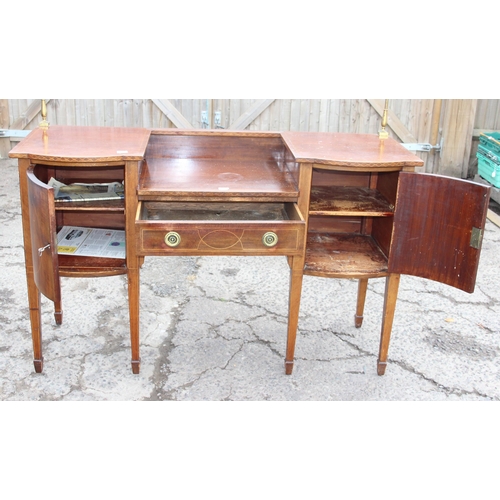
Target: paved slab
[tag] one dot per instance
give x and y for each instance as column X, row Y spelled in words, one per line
column 214, row 328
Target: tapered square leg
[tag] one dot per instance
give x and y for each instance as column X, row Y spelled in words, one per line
column 296, row 276
column 133, row 299
column 390, row 299
column 360, row 305
column 58, row 313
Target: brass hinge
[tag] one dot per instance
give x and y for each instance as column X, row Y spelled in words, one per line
column 475, row 237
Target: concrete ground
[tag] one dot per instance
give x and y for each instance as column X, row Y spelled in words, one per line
column 214, row 328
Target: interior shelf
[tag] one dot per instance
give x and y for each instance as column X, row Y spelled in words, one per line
column 71, row 265
column 92, row 206
column 344, row 255
column 349, row 201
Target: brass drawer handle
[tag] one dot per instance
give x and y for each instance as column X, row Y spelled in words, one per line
column 172, row 239
column 270, row 239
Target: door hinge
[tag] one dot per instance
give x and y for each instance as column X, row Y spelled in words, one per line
column 476, row 237
column 13, row 133
column 422, row 146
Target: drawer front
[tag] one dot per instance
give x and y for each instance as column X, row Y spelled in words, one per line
column 283, row 237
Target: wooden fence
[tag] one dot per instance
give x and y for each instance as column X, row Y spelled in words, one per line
column 451, row 124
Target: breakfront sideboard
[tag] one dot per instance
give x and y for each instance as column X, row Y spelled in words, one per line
column 335, row 205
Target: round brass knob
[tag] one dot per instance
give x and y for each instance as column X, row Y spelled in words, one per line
column 270, row 239
column 172, row 239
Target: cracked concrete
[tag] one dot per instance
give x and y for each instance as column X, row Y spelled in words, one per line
column 214, row 328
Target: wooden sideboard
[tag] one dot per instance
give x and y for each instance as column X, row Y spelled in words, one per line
column 336, row 205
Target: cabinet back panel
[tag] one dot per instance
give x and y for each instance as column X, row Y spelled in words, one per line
column 336, row 178
column 215, row 147
column 318, row 224
column 80, row 174
column 387, row 185
column 382, row 232
column 91, row 219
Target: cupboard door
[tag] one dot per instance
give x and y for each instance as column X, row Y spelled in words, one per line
column 43, row 238
column 438, row 227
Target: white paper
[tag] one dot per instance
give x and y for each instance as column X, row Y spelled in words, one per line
column 91, row 242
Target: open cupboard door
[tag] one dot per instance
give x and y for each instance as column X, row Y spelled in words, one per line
column 438, row 228
column 43, row 241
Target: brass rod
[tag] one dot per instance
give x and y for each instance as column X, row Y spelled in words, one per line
column 44, row 123
column 383, row 134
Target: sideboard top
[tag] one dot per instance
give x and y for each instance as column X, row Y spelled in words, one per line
column 348, row 150
column 80, row 144
column 101, row 144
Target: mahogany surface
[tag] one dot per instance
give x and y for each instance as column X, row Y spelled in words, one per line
column 349, row 150
column 215, row 179
column 43, row 240
column 437, row 244
column 342, row 205
column 344, row 256
column 83, row 144
column 349, row 201
column 199, row 167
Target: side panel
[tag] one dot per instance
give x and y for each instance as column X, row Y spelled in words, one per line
column 434, row 221
column 43, row 238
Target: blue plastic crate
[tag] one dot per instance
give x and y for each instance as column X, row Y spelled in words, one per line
column 489, row 169
column 488, row 153
column 491, row 142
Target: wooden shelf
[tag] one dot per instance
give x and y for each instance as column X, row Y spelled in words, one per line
column 195, row 179
column 349, row 201
column 344, row 256
column 92, row 206
column 80, row 266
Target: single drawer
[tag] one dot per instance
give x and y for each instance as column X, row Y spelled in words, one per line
column 184, row 228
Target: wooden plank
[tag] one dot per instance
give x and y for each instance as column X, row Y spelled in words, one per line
column 275, row 113
column 393, row 121
column 324, row 114
column 127, row 113
column 261, row 122
column 333, row 118
column 367, row 116
column 295, row 115
column 315, row 109
column 249, row 116
column 428, row 131
column 78, row 112
column 458, row 126
column 374, row 124
column 491, row 113
column 186, row 109
column 344, row 116
column 304, row 115
column 355, row 116
column 109, row 116
column 284, row 117
column 493, row 217
column 4, row 123
column 436, row 116
column 172, row 113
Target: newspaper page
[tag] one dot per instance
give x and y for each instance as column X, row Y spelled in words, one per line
column 91, row 242
column 86, row 192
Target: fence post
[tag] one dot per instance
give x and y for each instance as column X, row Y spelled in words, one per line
column 458, row 128
column 4, row 124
